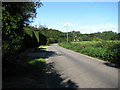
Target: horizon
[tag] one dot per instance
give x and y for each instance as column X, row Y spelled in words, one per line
column 82, row 33
column 86, row 17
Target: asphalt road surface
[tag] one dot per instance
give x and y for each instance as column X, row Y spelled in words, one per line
column 70, row 69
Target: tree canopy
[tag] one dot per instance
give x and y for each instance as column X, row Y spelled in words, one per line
column 15, row 16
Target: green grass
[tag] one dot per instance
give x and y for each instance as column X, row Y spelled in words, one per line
column 36, row 60
column 36, row 64
column 31, row 65
column 85, row 42
column 27, row 64
column 105, row 50
column 29, row 68
column 41, row 46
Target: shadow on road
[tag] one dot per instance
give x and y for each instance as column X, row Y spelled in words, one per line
column 112, row 65
column 32, row 75
column 41, row 53
column 27, row 71
column 54, row 79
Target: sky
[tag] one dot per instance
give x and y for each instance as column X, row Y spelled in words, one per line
column 86, row 17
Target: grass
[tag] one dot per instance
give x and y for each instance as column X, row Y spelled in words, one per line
column 105, row 50
column 35, row 64
column 36, row 60
column 27, row 73
column 42, row 46
column 27, row 64
column 91, row 42
column 28, row 67
column 31, row 64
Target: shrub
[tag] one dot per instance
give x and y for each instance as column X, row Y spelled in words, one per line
column 105, row 50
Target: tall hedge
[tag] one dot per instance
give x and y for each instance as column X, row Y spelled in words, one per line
column 15, row 15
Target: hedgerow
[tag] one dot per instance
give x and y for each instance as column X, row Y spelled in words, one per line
column 105, row 50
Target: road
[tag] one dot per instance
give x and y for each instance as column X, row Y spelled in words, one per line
column 67, row 68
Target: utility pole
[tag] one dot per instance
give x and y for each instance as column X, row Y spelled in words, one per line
column 39, row 25
column 35, row 26
column 67, row 33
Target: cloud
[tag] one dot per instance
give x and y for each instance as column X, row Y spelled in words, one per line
column 84, row 28
column 95, row 28
column 51, row 26
column 67, row 24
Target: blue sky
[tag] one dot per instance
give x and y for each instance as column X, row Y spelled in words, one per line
column 86, row 17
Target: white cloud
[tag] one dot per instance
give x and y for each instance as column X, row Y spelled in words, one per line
column 84, row 28
column 51, row 26
column 42, row 24
column 96, row 28
column 68, row 24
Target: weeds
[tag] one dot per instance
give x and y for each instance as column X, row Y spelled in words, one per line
column 105, row 50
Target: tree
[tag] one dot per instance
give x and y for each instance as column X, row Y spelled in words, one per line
column 15, row 15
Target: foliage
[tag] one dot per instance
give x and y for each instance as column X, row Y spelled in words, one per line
column 26, row 64
column 14, row 17
column 28, row 31
column 106, row 35
column 53, row 36
column 37, row 35
column 105, row 50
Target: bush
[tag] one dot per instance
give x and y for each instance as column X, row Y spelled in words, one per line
column 105, row 50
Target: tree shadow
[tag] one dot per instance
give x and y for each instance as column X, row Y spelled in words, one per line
column 42, row 54
column 112, row 65
column 22, row 63
column 40, row 50
column 27, row 71
column 54, row 79
column 37, row 74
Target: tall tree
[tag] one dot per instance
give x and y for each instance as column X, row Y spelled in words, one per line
column 16, row 15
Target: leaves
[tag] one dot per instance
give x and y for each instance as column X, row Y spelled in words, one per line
column 37, row 35
column 105, row 50
column 14, row 16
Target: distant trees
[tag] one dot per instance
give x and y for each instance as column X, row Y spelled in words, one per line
column 75, row 35
column 106, row 35
column 53, row 36
column 56, row 36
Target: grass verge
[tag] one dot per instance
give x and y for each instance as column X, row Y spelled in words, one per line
column 26, row 71
column 26, row 64
column 105, row 50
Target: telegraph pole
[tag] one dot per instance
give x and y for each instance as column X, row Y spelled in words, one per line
column 67, row 33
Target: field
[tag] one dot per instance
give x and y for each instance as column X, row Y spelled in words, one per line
column 105, row 50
